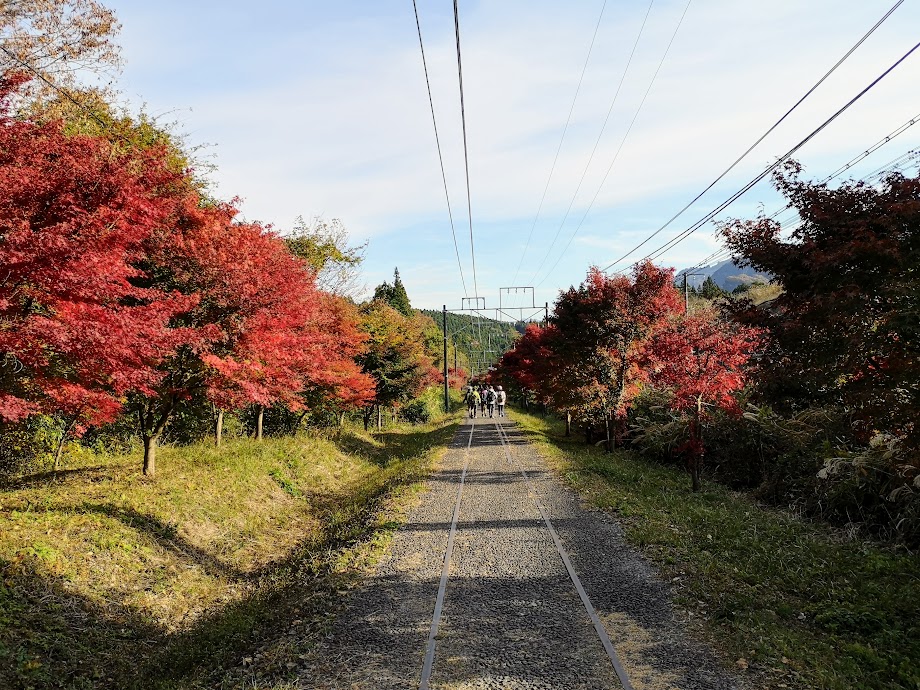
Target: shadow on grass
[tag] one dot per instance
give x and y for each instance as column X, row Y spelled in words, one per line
column 52, row 637
column 96, row 473
column 393, row 446
column 167, row 536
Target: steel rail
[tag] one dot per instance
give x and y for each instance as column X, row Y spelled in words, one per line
column 442, row 587
column 589, row 608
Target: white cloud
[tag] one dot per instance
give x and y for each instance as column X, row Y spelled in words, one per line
column 328, row 114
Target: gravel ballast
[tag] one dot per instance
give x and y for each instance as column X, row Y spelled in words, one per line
column 512, row 617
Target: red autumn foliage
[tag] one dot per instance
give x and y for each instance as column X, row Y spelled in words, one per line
column 122, row 282
column 78, row 329
column 702, row 360
column 261, row 332
column 602, row 328
column 844, row 331
column 523, row 363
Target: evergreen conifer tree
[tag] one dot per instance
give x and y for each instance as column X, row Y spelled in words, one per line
column 710, row 289
column 395, row 295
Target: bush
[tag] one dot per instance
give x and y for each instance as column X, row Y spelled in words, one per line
column 28, row 447
column 807, row 460
column 416, row 412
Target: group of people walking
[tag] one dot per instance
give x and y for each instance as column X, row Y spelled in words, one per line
column 486, row 398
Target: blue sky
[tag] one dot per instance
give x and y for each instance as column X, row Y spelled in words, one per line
column 320, row 109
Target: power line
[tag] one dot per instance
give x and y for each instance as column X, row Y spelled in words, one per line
column 862, row 156
column 600, row 135
column 561, row 140
column 763, row 136
column 466, row 159
column 893, row 164
column 437, row 139
column 734, row 197
column 613, row 162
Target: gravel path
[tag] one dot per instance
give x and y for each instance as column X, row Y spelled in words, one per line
column 512, row 617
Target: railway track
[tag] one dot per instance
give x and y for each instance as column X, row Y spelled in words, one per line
column 514, row 467
column 502, row 580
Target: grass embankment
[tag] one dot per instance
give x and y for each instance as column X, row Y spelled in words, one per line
column 791, row 603
column 222, row 568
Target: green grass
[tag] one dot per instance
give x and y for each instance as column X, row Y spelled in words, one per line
column 797, row 603
column 108, row 579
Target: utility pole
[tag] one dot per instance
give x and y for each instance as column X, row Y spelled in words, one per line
column 545, row 314
column 686, row 296
column 446, row 386
column 687, row 290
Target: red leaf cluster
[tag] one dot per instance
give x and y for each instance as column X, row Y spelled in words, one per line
column 77, row 329
column 120, row 282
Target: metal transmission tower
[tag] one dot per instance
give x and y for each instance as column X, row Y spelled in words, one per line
column 482, row 359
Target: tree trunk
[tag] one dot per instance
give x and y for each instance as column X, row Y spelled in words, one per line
column 259, row 419
column 151, row 427
column 150, row 456
column 696, row 434
column 367, row 417
column 218, row 427
column 341, row 419
column 607, row 446
column 568, row 423
column 65, row 433
column 379, row 418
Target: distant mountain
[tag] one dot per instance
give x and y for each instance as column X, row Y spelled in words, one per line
column 727, row 275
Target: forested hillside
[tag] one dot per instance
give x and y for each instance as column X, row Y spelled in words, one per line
column 478, row 341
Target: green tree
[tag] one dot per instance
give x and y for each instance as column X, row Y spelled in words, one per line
column 325, row 246
column 395, row 295
column 710, row 289
column 394, row 356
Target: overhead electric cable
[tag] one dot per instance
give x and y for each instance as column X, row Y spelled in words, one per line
column 764, row 135
column 437, row 139
column 862, row 156
column 893, row 164
column 600, row 135
column 612, row 163
column 565, row 129
column 734, row 197
column 466, row 158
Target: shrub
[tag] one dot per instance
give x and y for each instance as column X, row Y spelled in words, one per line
column 416, row 412
column 28, row 447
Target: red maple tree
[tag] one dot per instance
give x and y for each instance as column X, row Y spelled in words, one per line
column 844, row 330
column 78, row 329
column 260, row 332
column 702, row 360
column 602, row 328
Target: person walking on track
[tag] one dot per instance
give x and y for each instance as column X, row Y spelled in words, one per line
column 490, row 401
column 472, row 401
column 500, row 397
